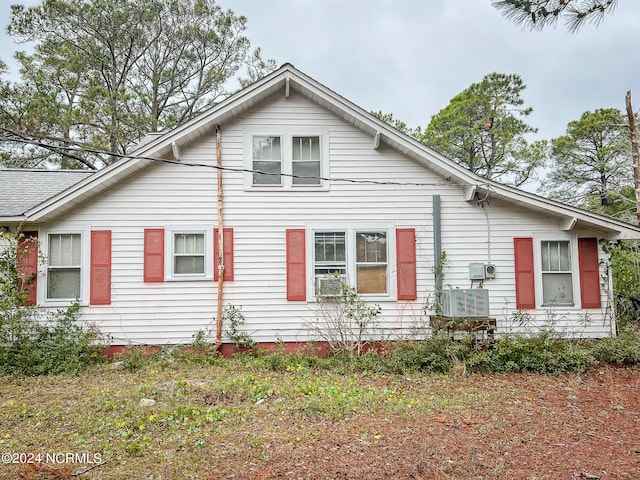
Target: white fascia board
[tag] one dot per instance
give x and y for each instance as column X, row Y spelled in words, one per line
column 615, row 229
column 9, row 220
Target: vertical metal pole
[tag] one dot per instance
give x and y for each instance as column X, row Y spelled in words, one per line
column 437, row 245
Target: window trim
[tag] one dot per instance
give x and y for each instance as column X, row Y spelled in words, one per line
column 351, row 230
column 575, row 269
column 286, row 134
column 85, row 267
column 169, row 250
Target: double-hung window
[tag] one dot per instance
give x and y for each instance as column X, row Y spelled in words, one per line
column 306, row 160
column 64, row 266
column 355, row 256
column 295, row 158
column 188, row 254
column 371, row 262
column 330, row 263
column 557, row 272
column 267, row 160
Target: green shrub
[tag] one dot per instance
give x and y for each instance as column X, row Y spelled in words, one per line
column 35, row 343
column 58, row 344
column 621, row 350
column 437, row 354
column 543, row 353
column 233, row 317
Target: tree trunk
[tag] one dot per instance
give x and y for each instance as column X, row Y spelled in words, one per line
column 634, row 151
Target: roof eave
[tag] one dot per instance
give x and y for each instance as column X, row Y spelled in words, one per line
column 574, row 218
column 10, row 219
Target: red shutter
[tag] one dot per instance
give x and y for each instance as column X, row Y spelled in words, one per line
column 27, row 264
column 589, row 272
column 406, row 263
column 228, row 253
column 100, row 289
column 153, row 254
column 525, row 280
column 296, row 276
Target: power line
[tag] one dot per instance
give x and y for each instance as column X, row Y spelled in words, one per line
column 79, row 150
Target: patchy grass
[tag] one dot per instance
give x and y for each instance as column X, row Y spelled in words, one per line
column 241, row 419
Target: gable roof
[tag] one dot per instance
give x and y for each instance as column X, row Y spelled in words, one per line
column 22, row 189
column 284, row 80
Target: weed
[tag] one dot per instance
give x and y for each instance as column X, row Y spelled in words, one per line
column 132, row 358
column 235, row 319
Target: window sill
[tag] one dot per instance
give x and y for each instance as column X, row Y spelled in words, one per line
column 62, row 303
column 202, row 278
column 282, row 188
column 364, row 298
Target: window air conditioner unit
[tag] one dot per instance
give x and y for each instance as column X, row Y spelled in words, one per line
column 329, row 286
column 465, row 303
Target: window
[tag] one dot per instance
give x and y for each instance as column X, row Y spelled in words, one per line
column 557, row 273
column 64, row 267
column 330, row 262
column 371, row 262
column 339, row 255
column 267, row 158
column 189, row 254
column 306, row 160
column 294, row 159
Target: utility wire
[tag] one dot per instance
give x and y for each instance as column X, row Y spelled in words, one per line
column 79, row 150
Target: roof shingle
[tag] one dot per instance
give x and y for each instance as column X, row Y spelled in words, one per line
column 22, row 189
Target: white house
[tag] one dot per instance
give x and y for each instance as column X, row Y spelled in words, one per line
column 311, row 185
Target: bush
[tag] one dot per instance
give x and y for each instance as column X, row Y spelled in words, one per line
column 543, row 353
column 32, row 343
column 621, row 350
column 59, row 344
column 437, row 355
column 235, row 319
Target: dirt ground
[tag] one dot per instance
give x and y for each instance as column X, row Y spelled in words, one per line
column 529, row 427
column 566, row 427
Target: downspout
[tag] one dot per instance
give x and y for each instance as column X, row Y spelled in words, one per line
column 220, row 241
column 437, row 250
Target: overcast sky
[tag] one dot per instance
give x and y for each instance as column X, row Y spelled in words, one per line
column 410, row 57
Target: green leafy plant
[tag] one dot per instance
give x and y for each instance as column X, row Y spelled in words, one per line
column 542, row 353
column 233, row 317
column 621, row 350
column 37, row 343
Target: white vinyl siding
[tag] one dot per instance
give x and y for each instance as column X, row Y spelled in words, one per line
column 174, row 194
